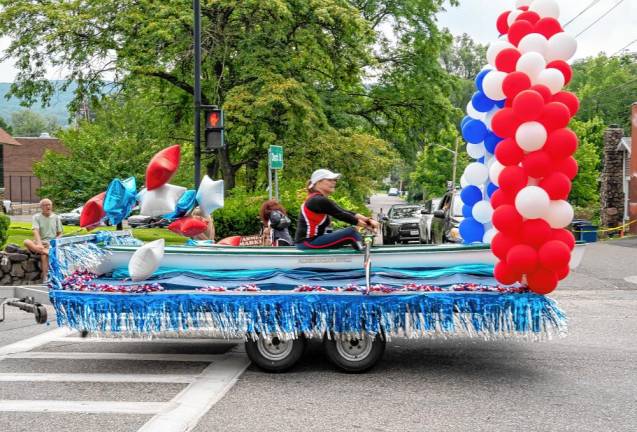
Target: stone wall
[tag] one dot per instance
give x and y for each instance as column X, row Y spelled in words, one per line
column 612, row 194
column 19, row 267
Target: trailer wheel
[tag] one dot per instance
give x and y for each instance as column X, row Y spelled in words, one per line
column 273, row 354
column 40, row 314
column 353, row 354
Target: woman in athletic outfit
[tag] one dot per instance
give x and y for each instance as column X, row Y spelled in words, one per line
column 317, row 211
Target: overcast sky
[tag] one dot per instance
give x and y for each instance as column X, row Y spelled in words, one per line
column 478, row 17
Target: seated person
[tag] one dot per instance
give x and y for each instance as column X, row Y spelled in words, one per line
column 317, row 211
column 209, row 234
column 275, row 223
column 46, row 226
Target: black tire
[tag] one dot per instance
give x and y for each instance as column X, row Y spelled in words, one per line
column 354, row 358
column 273, row 354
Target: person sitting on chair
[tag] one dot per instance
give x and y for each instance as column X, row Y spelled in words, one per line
column 275, row 220
column 46, row 226
column 317, row 211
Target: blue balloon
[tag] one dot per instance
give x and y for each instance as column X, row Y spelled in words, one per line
column 471, row 195
column 467, row 211
column 120, row 199
column 481, row 160
column 474, row 131
column 491, row 188
column 490, row 141
column 465, row 120
column 480, row 78
column 481, row 102
column 186, row 202
column 500, row 104
column 471, row 230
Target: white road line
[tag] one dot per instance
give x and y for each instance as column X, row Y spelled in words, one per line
column 34, row 342
column 185, row 340
column 114, row 356
column 82, row 406
column 185, row 410
column 97, row 377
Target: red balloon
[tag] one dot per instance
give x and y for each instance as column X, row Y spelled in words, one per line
column 555, row 115
column 554, row 255
column 518, row 30
column 514, row 83
column 499, row 198
column 548, row 27
column 523, row 8
column 93, row 212
column 502, row 244
column 504, row 274
column 563, row 272
column 536, row 232
column 569, row 99
column 522, row 259
column 188, row 226
column 561, row 143
column 506, row 219
column 531, row 17
column 512, row 179
column 557, row 185
column 162, row 167
column 544, row 91
column 537, row 164
column 568, row 166
column 563, row 67
column 565, row 236
column 542, row 281
column 528, row 105
column 507, row 152
column 506, row 59
column 502, row 23
column 505, row 123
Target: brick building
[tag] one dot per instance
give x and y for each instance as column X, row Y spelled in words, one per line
column 17, row 156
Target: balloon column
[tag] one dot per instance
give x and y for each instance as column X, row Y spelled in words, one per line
column 515, row 194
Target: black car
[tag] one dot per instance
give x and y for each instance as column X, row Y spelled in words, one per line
column 446, row 221
column 401, row 224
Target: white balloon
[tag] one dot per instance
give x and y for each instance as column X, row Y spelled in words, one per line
column 552, row 78
column 476, row 173
column 473, row 113
column 513, row 16
column 532, row 202
column 488, row 117
column 476, row 151
column 531, row 136
column 492, row 85
column 488, row 236
column 545, row 8
column 463, row 182
column 482, row 211
column 494, row 172
column 534, row 42
column 532, row 64
column 495, row 48
column 561, row 46
column 146, row 260
column 560, row 214
column 160, row 201
column 210, row 195
column 520, row 3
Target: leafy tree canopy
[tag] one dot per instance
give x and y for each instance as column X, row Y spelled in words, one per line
column 27, row 123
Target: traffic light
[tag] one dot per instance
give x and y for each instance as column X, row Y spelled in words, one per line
column 214, row 129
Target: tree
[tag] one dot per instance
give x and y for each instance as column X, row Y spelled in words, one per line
column 585, row 190
column 28, row 123
column 465, row 58
column 7, row 127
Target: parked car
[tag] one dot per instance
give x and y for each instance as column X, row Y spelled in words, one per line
column 142, row 221
column 427, row 213
column 72, row 217
column 393, row 191
column 401, row 224
column 446, row 221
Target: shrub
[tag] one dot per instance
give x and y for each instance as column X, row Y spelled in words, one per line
column 5, row 221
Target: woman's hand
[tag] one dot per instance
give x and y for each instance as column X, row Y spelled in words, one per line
column 365, row 222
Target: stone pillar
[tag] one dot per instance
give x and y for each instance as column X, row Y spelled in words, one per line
column 612, row 194
column 633, row 172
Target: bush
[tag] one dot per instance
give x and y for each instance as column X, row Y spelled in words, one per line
column 5, row 221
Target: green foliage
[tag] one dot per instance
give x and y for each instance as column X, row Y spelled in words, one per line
column 28, row 123
column 465, row 58
column 607, row 87
column 7, row 127
column 5, row 221
column 585, row 191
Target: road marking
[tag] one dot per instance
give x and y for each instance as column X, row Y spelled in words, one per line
column 193, row 341
column 187, row 408
column 631, row 279
column 82, row 406
column 208, row 358
column 97, row 377
column 34, row 342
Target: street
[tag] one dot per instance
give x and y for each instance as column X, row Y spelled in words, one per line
column 585, row 381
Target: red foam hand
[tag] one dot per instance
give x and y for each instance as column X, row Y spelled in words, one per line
column 535, row 232
column 505, row 274
column 506, row 219
column 514, row 83
column 555, row 115
column 506, row 59
column 522, row 259
column 557, row 185
column 569, row 99
column 548, row 27
column 93, row 211
column 507, row 152
column 542, row 281
column 162, row 167
column 561, row 143
column 528, row 105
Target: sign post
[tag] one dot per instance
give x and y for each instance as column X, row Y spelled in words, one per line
column 275, row 163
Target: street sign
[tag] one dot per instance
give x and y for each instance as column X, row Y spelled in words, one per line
column 275, row 156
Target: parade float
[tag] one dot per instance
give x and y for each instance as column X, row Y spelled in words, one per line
column 516, row 246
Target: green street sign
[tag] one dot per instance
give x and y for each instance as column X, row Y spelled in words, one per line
column 275, row 156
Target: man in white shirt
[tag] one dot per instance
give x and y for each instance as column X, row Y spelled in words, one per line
column 46, row 226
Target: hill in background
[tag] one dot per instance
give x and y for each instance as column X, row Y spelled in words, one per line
column 57, row 109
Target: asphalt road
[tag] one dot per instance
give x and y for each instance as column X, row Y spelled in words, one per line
column 586, row 381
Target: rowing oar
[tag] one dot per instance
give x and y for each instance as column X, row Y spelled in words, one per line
column 368, row 238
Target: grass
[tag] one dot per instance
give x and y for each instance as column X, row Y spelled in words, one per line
column 20, row 231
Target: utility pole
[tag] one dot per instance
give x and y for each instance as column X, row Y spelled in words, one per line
column 455, row 160
column 196, row 6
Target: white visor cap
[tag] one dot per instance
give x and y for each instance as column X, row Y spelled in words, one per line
column 322, row 174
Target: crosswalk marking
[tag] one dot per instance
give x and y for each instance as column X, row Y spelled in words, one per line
column 114, row 356
column 82, row 406
column 97, row 377
column 34, row 342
